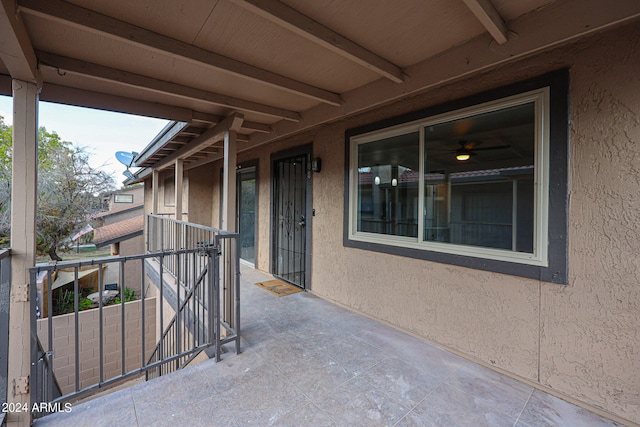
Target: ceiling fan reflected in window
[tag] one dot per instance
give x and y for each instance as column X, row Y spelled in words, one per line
column 468, row 149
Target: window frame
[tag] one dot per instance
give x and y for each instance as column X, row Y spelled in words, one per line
column 123, row 198
column 548, row 261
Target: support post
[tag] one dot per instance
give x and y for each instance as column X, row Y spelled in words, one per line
column 23, row 244
column 229, row 222
column 155, row 182
column 229, row 182
column 178, row 178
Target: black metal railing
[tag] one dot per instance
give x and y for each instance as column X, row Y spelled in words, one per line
column 5, row 296
column 187, row 329
column 167, row 233
column 86, row 355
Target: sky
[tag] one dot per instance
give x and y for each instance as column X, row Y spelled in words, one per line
column 102, row 133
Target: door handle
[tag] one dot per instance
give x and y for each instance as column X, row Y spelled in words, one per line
column 302, row 221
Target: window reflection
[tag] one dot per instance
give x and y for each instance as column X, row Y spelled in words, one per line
column 388, row 181
column 488, row 199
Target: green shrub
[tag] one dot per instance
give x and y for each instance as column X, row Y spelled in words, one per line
column 85, row 304
column 129, row 295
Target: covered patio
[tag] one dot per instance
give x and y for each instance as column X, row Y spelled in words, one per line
column 308, row 362
column 350, row 90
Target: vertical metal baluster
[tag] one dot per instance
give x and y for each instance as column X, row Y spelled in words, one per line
column 76, row 307
column 177, row 322
column 101, row 317
column 49, row 356
column 215, row 309
column 236, row 255
column 161, row 299
column 143, row 362
column 122, row 316
column 36, row 395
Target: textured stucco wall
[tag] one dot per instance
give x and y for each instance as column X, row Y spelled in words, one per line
column 581, row 340
column 590, row 336
column 200, row 201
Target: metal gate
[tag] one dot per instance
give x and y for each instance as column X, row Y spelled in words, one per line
column 291, row 177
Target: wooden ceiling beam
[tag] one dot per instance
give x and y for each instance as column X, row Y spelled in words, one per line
column 231, row 123
column 489, row 17
column 200, row 117
column 64, row 64
column 102, row 101
column 304, row 26
column 561, row 25
column 16, row 51
column 87, row 19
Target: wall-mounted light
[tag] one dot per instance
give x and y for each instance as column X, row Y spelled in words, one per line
column 376, row 180
column 394, row 182
column 316, row 164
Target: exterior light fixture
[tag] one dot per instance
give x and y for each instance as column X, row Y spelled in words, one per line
column 394, row 182
column 376, row 180
column 316, row 164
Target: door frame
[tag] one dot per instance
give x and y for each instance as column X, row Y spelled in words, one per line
column 253, row 163
column 306, row 150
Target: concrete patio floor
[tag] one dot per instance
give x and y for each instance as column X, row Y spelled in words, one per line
column 307, row 362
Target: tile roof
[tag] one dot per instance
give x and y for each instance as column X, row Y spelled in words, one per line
column 118, row 231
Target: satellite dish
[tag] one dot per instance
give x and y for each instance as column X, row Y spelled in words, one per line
column 128, row 174
column 126, row 158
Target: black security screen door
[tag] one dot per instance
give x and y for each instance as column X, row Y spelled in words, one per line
column 290, row 218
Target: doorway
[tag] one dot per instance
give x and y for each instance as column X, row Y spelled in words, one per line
column 246, row 208
column 291, row 189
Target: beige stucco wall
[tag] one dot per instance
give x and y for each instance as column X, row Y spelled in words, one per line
column 64, row 360
column 581, row 340
column 200, row 197
column 590, row 330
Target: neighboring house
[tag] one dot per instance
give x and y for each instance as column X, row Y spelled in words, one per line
column 125, row 237
column 122, row 229
column 128, row 196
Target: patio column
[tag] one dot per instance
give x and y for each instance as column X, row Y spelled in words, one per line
column 178, row 178
column 154, row 191
column 23, row 245
column 229, row 182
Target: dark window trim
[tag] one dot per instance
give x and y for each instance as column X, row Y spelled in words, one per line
column 557, row 270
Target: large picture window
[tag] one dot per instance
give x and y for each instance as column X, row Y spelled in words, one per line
column 461, row 185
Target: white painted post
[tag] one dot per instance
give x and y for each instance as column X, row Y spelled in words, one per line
column 23, row 246
column 229, row 218
column 178, row 178
column 155, row 177
column 229, row 182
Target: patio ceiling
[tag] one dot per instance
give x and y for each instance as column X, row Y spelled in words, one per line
column 269, row 68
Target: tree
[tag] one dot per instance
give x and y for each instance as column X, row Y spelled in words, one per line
column 5, row 181
column 69, row 190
